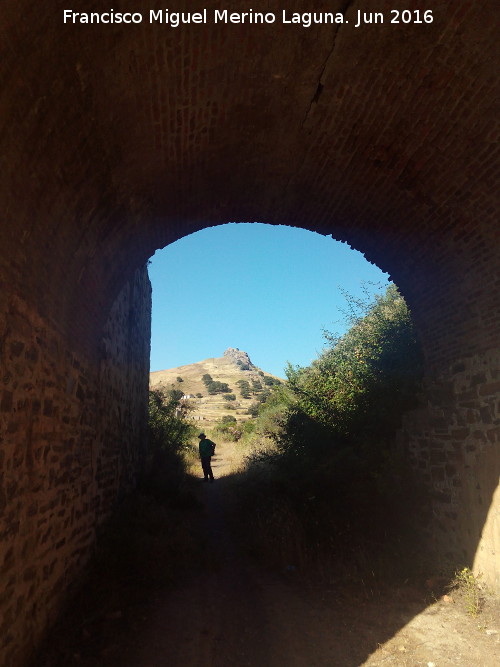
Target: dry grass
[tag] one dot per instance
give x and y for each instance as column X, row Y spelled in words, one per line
column 210, row 409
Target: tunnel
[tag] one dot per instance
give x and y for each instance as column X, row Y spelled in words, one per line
column 120, row 138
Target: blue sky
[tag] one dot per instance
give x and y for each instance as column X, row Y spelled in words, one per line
column 268, row 290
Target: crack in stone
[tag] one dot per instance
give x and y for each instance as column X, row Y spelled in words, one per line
column 319, row 89
column 317, row 94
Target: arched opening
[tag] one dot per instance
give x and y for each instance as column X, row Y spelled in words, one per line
column 265, row 644
column 269, row 290
column 274, row 291
column 86, row 420
column 118, row 142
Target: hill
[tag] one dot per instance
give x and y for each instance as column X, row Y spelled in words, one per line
column 244, row 380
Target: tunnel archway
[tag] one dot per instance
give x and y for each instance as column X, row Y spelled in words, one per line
column 116, row 142
column 253, row 285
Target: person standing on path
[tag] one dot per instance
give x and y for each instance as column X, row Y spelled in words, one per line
column 207, row 450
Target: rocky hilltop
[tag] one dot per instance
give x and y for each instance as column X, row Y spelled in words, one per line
column 241, row 358
column 245, row 382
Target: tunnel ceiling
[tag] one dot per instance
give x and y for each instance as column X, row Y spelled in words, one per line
column 119, row 139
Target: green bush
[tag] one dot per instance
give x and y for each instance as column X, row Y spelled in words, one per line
column 216, row 387
column 253, row 409
column 169, row 435
column 228, row 419
column 263, row 396
column 248, row 427
column 228, row 428
column 332, row 429
column 269, row 381
column 244, row 386
column 362, row 384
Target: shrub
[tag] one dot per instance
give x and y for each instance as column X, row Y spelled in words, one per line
column 169, row 436
column 253, row 409
column 244, row 388
column 330, row 430
column 215, row 387
column 269, row 381
column 249, row 427
column 228, row 428
column 467, row 584
column 365, row 380
column 228, row 419
column 263, row 396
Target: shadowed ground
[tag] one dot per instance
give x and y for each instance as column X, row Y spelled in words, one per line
column 226, row 610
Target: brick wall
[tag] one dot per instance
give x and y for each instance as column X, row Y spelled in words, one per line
column 72, row 436
column 454, row 442
column 115, row 142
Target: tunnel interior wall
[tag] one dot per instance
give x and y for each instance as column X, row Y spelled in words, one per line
column 453, row 438
column 118, row 142
column 73, row 427
column 453, row 445
column 73, row 434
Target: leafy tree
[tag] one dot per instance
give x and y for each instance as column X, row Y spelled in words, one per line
column 340, row 413
column 169, row 434
column 244, row 386
column 230, row 397
column 174, row 395
column 263, row 396
column 229, row 429
column 228, row 419
column 256, row 385
column 366, row 379
column 253, row 409
column 179, row 379
column 169, row 429
column 332, row 429
column 248, row 427
column 270, row 381
column 216, row 387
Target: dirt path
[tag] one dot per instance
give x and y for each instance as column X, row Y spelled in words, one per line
column 229, row 612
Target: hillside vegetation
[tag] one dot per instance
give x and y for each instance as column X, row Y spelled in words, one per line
column 323, row 459
column 321, row 449
column 325, row 497
column 236, row 385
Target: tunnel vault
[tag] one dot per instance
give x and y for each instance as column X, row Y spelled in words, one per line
column 117, row 140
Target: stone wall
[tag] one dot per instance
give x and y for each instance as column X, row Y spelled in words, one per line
column 72, row 436
column 117, row 141
column 454, row 442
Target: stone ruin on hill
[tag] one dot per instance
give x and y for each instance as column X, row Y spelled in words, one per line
column 240, row 358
